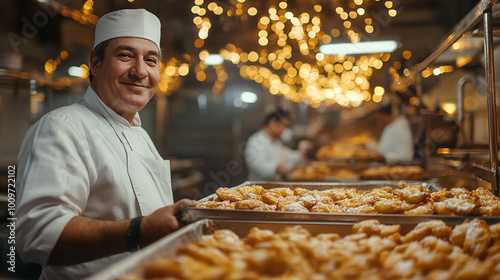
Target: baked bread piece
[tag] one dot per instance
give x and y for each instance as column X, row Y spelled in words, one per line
column 395, row 173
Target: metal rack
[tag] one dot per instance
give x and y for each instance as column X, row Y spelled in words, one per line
column 484, row 11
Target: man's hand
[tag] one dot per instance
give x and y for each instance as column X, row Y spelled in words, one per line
column 162, row 222
column 84, row 239
column 306, row 148
column 284, row 169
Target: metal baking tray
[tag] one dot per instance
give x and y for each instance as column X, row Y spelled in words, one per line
column 167, row 246
column 193, row 214
column 432, row 185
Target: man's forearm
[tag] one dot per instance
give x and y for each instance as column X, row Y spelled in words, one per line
column 85, row 239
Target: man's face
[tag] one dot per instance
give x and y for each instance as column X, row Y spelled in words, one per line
column 128, row 76
column 278, row 126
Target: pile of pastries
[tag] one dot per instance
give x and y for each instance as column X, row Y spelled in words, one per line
column 357, row 147
column 395, row 173
column 317, row 171
column 402, row 199
column 431, row 250
column 311, row 171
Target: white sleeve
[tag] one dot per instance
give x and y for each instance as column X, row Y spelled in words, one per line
column 260, row 157
column 293, row 157
column 396, row 143
column 53, row 185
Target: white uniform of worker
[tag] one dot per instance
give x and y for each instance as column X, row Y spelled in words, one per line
column 263, row 155
column 84, row 160
column 396, row 143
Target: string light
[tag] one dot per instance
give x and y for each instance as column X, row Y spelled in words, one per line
column 288, row 62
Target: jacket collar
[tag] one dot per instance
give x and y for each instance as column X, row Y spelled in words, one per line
column 96, row 103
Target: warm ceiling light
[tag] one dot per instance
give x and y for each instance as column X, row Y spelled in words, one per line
column 387, row 46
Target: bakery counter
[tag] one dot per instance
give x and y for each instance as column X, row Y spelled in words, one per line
column 331, row 171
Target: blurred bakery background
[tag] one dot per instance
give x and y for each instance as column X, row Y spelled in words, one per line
column 229, row 62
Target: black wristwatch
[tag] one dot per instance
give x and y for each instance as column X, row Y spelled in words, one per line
column 133, row 234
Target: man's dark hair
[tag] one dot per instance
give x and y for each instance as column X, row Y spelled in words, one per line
column 99, row 53
column 278, row 114
column 385, row 109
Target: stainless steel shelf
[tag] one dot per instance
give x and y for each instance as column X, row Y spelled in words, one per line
column 485, row 11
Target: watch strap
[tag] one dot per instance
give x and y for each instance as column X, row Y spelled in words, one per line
column 133, row 234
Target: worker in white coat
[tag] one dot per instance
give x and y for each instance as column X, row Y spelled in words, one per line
column 396, row 144
column 91, row 185
column 267, row 158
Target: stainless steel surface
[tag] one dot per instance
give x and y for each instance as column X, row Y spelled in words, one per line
column 466, row 24
column 467, row 78
column 460, row 95
column 168, row 245
column 491, row 99
column 196, row 214
column 484, row 11
column 464, row 154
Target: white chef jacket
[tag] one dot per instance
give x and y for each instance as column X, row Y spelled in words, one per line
column 396, row 142
column 263, row 155
column 84, row 160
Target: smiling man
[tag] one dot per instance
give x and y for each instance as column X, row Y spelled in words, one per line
column 91, row 185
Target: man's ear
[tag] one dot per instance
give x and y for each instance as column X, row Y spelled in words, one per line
column 94, row 63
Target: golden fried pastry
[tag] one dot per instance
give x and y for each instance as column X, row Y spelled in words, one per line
column 374, row 227
column 441, row 195
column 300, row 191
column 208, row 254
column 336, row 194
column 326, row 208
column 265, row 207
column 413, row 193
column 256, row 235
column 229, row 194
column 395, row 173
column 312, row 171
column 495, row 232
column 294, row 207
column 388, row 206
column 424, row 209
column 310, row 199
column 253, row 189
column 215, row 204
column 270, row 197
column 362, row 209
column 455, row 206
column 282, row 202
column 248, row 204
column 283, row 191
column 348, row 147
column 489, row 204
column 434, row 227
column 474, row 237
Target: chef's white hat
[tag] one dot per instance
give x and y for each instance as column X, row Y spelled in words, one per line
column 128, row 23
